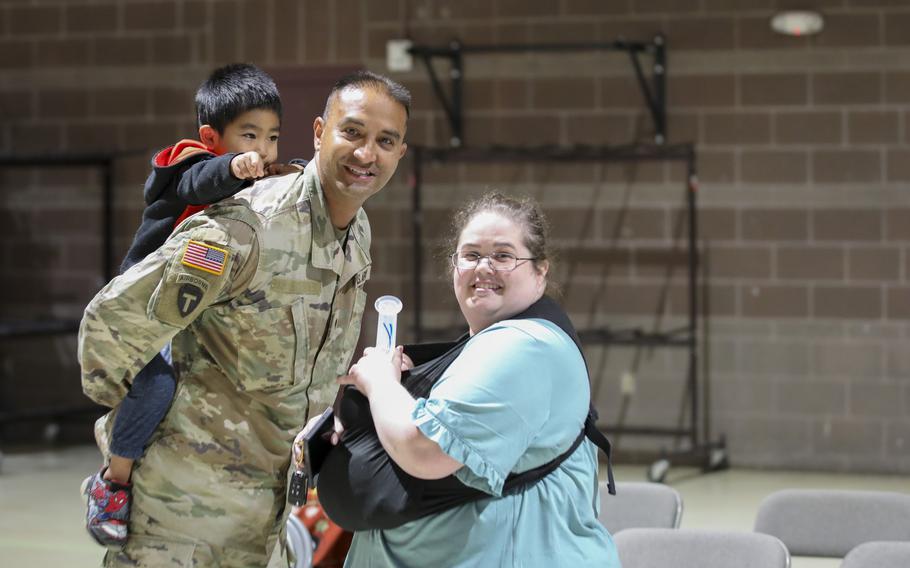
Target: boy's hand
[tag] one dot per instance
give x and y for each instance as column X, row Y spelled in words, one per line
column 277, row 169
column 248, row 165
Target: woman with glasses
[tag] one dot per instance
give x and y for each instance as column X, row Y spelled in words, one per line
column 510, row 399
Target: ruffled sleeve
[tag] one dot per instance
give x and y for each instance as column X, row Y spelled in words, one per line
column 486, row 477
column 491, row 402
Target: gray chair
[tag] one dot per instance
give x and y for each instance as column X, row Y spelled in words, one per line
column 830, row 523
column 878, row 554
column 300, row 543
column 694, row 548
column 640, row 504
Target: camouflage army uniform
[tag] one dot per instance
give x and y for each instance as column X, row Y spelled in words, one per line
column 260, row 328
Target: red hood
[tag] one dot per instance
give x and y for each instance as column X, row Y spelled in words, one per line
column 179, row 151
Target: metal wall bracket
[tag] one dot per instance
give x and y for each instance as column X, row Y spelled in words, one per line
column 653, row 88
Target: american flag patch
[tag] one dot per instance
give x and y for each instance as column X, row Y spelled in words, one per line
column 204, row 257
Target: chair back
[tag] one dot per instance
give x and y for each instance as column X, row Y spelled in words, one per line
column 830, row 523
column 697, row 548
column 878, row 554
column 639, row 504
column 300, row 543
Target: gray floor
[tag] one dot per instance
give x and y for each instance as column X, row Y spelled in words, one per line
column 41, row 511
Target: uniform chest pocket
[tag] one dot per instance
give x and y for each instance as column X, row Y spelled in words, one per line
column 267, row 346
column 351, row 333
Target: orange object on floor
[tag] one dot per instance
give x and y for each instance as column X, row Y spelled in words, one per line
column 332, row 541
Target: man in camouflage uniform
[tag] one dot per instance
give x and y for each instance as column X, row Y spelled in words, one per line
column 260, row 297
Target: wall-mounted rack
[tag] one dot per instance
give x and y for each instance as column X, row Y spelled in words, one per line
column 710, row 454
column 653, row 88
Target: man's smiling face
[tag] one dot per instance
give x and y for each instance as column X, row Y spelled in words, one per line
column 359, row 144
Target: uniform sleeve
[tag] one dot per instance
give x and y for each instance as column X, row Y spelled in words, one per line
column 139, row 312
column 489, row 405
column 209, row 181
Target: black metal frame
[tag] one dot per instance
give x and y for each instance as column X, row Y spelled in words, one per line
column 685, row 337
column 654, row 93
column 104, row 162
column 49, row 327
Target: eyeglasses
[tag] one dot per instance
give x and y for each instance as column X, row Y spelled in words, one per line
column 499, row 261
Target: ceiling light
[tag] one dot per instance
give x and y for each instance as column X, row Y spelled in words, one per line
column 797, row 23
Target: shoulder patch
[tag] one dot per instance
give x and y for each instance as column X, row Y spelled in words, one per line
column 188, row 297
column 204, row 257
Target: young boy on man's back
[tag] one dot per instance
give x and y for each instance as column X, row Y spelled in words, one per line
column 238, row 111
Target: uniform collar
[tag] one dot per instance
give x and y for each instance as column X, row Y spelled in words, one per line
column 326, row 251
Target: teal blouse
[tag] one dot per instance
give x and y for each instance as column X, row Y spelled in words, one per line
column 515, row 398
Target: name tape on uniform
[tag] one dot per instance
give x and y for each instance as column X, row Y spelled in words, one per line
column 204, row 257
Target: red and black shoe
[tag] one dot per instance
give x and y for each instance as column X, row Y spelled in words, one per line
column 108, row 510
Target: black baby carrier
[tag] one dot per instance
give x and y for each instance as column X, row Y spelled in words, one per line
column 361, row 488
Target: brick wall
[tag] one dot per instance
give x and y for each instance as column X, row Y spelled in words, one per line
column 803, row 152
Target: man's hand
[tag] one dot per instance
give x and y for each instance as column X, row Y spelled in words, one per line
column 277, row 169
column 248, row 165
column 297, row 448
column 298, row 442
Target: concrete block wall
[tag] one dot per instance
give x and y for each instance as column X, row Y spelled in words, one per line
column 803, row 152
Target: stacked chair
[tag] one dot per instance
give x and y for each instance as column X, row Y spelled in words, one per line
column 692, row 548
column 865, row 528
column 640, row 505
column 879, row 554
column 644, row 521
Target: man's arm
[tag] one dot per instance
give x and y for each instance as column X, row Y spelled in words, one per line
column 138, row 312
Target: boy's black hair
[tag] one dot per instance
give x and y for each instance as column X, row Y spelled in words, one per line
column 368, row 79
column 233, row 90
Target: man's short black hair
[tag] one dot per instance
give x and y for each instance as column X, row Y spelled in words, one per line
column 368, row 79
column 233, row 90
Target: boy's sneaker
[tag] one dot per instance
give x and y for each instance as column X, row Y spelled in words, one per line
column 108, row 505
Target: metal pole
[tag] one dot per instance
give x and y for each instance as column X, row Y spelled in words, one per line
column 457, row 74
column 660, row 90
column 417, row 247
column 107, row 219
column 691, row 189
